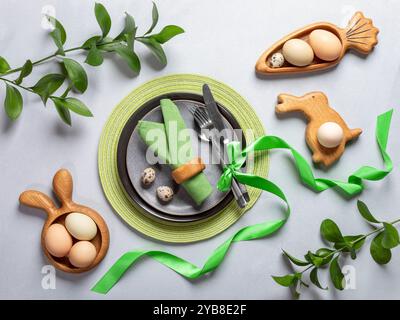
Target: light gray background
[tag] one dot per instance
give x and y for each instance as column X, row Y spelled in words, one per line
column 223, row 40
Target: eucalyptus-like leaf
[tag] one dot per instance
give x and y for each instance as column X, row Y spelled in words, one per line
column 26, row 70
column 130, row 57
column 155, row 48
column 167, row 33
column 73, row 104
column 365, row 213
column 336, row 274
column 103, row 18
column 77, row 74
column 58, row 26
column 4, row 66
column 94, row 56
column 325, row 254
column 62, row 111
column 13, row 102
column 330, row 231
column 314, row 279
column 48, row 84
column 57, row 38
column 314, row 259
column 350, row 243
column 380, row 254
column 130, row 27
column 154, row 16
column 390, row 236
column 92, row 40
column 286, row 281
column 296, row 261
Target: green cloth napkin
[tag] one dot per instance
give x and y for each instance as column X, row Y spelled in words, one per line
column 172, row 146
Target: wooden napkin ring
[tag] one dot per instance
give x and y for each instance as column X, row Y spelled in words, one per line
column 188, row 170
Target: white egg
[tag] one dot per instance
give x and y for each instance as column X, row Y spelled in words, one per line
column 330, row 134
column 298, row 52
column 80, row 226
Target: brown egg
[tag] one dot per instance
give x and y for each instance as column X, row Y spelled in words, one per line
column 57, row 240
column 326, row 45
column 82, row 254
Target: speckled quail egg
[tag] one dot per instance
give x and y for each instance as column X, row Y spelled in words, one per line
column 148, row 176
column 165, row 193
column 277, row 60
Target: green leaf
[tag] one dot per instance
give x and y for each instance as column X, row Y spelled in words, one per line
column 314, row 259
column 155, row 48
column 48, row 84
column 347, row 245
column 330, row 231
column 130, row 57
column 154, row 15
column 326, row 254
column 314, row 279
column 130, row 27
column 167, row 33
column 89, row 42
column 323, row 252
column 380, row 254
column 4, row 66
column 94, row 56
column 58, row 26
column 77, row 74
column 365, row 213
column 74, row 105
column 57, row 38
column 296, row 261
column 103, row 18
column 25, row 71
column 390, row 236
column 336, row 274
column 13, row 102
column 286, row 281
column 63, row 112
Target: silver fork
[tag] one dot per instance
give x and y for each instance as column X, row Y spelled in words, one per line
column 205, row 124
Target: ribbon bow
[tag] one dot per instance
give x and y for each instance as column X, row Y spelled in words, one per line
column 352, row 187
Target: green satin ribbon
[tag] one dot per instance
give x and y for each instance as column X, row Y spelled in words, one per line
column 352, row 187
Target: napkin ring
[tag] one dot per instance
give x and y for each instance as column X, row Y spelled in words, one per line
column 188, row 170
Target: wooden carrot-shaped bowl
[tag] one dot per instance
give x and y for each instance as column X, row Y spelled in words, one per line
column 62, row 185
column 360, row 35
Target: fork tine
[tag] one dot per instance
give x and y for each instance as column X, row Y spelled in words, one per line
column 192, row 109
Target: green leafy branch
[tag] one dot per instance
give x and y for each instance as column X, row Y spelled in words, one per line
column 386, row 237
column 72, row 72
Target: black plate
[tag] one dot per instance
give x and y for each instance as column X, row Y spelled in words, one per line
column 130, row 179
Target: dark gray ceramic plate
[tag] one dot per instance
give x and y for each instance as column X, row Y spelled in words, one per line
column 131, row 159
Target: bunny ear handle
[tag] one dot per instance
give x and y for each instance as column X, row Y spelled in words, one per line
column 37, row 199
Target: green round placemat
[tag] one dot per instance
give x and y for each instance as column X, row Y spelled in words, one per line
column 107, row 158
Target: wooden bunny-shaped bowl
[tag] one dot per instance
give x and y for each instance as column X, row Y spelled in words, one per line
column 62, row 185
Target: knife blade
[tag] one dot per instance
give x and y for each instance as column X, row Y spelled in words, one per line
column 219, row 124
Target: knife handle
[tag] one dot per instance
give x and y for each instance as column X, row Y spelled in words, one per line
column 241, row 197
column 237, row 193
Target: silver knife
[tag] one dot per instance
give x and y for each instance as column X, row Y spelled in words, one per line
column 239, row 190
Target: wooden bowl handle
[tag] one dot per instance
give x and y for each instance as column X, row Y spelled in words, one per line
column 62, row 185
column 37, row 199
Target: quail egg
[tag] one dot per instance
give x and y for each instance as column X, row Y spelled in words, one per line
column 148, row 176
column 165, row 193
column 277, row 60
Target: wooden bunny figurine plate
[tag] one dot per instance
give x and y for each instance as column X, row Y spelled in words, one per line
column 62, row 185
column 325, row 125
